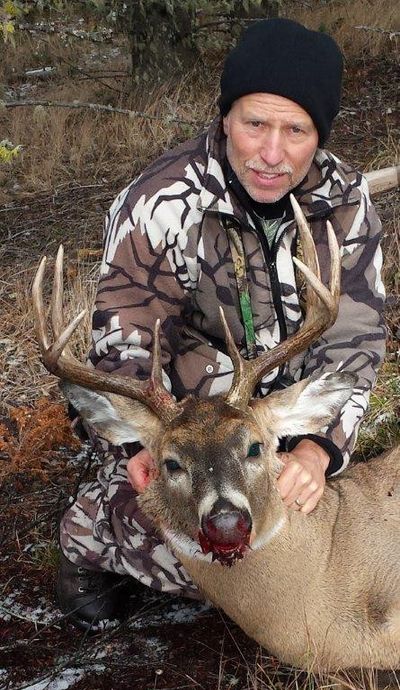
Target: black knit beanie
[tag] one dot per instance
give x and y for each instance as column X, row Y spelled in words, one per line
column 284, row 58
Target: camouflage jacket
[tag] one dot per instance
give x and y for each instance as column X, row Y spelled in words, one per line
column 167, row 256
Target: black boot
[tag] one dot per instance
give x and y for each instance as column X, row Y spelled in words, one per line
column 94, row 600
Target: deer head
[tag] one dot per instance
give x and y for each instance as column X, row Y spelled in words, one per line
column 213, row 470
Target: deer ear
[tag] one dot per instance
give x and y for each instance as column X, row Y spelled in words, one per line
column 307, row 406
column 116, row 418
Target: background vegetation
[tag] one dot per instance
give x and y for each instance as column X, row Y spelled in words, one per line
column 90, row 93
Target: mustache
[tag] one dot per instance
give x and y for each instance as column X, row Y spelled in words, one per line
column 278, row 170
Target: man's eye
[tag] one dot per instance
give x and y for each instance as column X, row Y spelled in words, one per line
column 255, row 123
column 254, row 450
column 296, row 130
column 172, row 466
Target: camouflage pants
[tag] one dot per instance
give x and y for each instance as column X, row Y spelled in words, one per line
column 104, row 529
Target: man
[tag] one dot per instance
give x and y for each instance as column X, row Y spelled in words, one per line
column 174, row 239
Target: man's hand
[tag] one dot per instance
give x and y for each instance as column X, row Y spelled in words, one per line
column 302, row 480
column 141, row 470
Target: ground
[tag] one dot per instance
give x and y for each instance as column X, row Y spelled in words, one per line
column 166, row 643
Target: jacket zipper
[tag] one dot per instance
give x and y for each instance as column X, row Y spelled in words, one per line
column 270, row 260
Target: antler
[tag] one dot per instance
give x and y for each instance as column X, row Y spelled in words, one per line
column 58, row 359
column 321, row 311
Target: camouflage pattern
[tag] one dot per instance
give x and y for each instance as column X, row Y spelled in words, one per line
column 167, row 256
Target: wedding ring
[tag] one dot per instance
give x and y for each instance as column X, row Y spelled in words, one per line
column 299, row 503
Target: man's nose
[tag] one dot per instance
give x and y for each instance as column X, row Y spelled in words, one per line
column 272, row 150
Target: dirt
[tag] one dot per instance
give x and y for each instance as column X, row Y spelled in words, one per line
column 166, row 643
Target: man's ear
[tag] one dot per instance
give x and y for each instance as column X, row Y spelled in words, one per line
column 307, row 406
column 225, row 124
column 116, row 418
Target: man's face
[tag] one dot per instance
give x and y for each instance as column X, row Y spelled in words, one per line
column 271, row 142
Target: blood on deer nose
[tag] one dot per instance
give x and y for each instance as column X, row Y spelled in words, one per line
column 226, row 525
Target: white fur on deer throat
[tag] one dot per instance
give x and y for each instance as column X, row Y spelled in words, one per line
column 181, row 543
column 264, row 538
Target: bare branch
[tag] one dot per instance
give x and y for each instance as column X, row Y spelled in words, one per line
column 102, row 36
column 96, row 107
column 390, row 32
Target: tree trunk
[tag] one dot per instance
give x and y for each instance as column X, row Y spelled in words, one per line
column 161, row 39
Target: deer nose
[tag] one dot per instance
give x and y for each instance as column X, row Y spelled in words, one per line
column 226, row 524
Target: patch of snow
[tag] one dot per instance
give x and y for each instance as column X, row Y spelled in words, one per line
column 105, row 624
column 62, row 680
column 371, row 425
column 150, row 649
column 187, row 613
column 42, row 613
column 178, row 613
column 155, row 644
column 79, row 458
column 155, row 650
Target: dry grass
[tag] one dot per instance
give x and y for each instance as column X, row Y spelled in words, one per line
column 268, row 674
column 23, row 376
column 340, row 17
column 389, row 150
column 380, row 429
column 61, row 144
column 391, row 272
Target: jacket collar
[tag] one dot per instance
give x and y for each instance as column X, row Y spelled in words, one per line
column 215, row 196
column 325, row 186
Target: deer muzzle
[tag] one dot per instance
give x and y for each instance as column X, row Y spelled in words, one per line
column 225, row 532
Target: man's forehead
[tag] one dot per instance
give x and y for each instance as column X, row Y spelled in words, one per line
column 269, row 104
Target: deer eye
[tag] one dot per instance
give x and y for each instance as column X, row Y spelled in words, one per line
column 254, row 450
column 172, row 466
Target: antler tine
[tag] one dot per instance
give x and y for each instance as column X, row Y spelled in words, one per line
column 334, row 253
column 238, row 362
column 321, row 312
column 310, row 255
column 156, row 369
column 306, row 238
column 58, row 359
column 38, row 307
column 315, row 289
column 56, row 307
column 317, row 293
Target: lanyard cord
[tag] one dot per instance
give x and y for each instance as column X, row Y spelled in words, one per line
column 239, row 265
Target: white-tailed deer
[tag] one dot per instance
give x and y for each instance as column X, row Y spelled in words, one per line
column 319, row 590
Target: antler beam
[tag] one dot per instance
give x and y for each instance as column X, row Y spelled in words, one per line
column 59, row 360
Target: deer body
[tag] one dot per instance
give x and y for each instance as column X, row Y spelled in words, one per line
column 325, row 591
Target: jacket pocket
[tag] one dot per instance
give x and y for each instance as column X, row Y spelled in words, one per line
column 200, row 368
